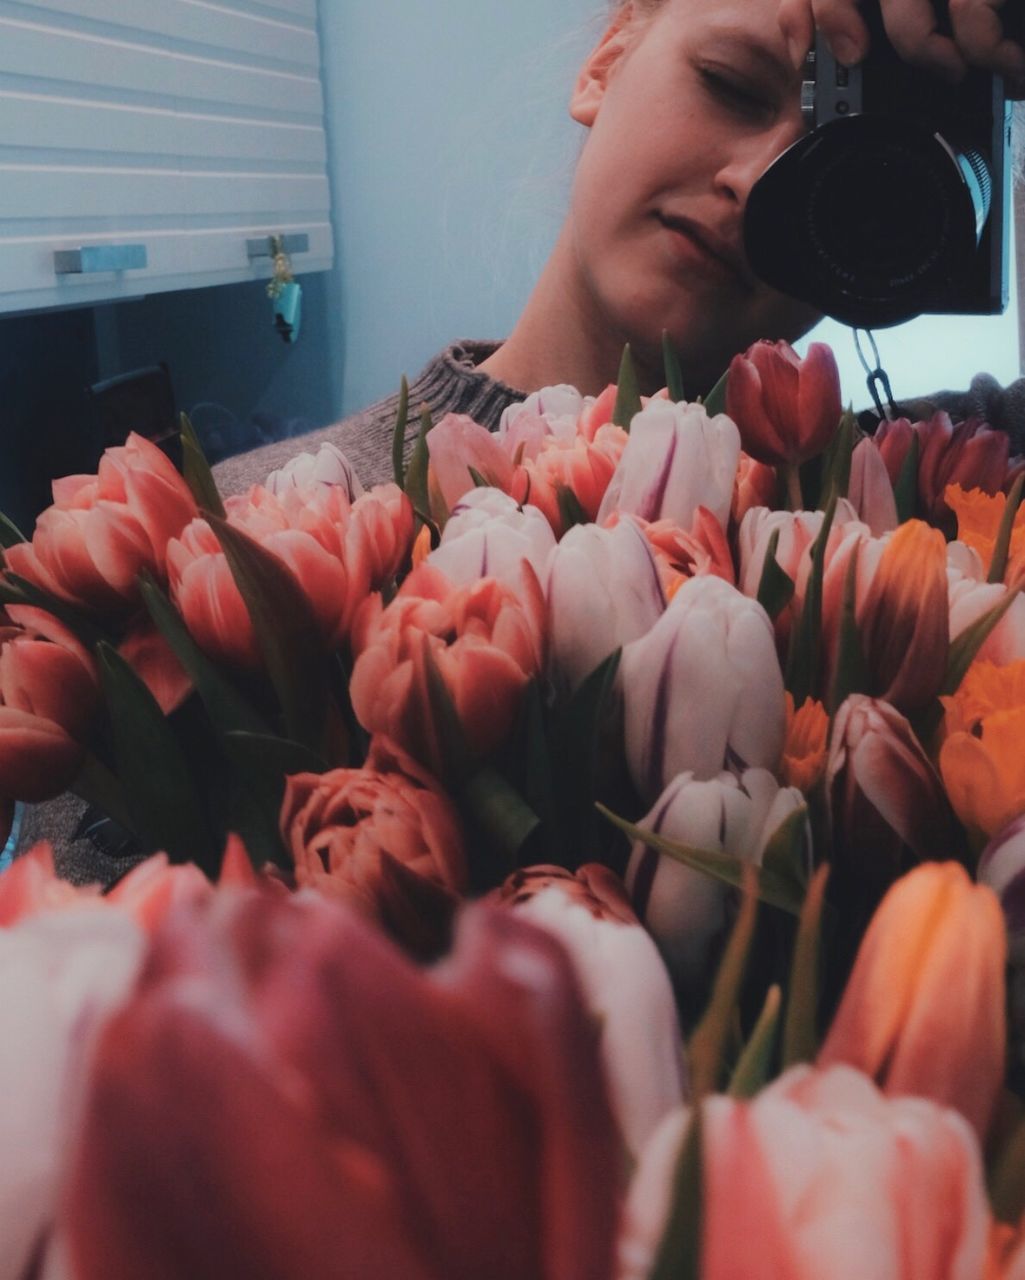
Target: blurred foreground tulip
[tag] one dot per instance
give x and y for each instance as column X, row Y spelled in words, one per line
column 604, row 590
column 384, row 838
column 485, row 640
column 787, row 409
column 888, row 806
column 677, row 459
column 327, row 466
column 285, row 1095
column 488, row 535
column 104, row 530
column 686, row 911
column 923, row 1012
column 818, row 1177
column 62, row 974
column 703, row 689
column 624, row 981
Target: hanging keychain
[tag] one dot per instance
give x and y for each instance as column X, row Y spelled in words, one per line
column 285, row 293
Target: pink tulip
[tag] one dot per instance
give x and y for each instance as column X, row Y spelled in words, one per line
column 870, row 491
column 970, row 597
column 677, row 459
column 624, row 981
column 687, row 912
column 702, row 688
column 488, row 535
column 787, row 409
column 551, row 413
column 923, row 1012
column 385, row 839
column 970, row 454
column 389, row 1123
column 485, row 640
column 327, row 466
column 63, row 973
column 604, row 590
column 103, row 531
column 820, row 1176
column 455, row 445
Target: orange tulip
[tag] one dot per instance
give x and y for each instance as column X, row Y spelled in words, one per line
column 806, row 744
column 923, row 1012
column 981, row 759
column 978, row 521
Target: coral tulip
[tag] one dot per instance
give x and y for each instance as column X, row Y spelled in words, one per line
column 455, row 445
column 787, row 409
column 923, row 1012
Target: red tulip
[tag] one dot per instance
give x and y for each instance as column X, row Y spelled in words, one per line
column 285, row 1095
column 787, row 409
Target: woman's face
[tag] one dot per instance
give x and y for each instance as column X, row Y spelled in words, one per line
column 685, row 112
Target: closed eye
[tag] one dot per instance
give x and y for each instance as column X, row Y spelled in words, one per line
column 735, row 95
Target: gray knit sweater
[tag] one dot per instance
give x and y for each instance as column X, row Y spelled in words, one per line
column 451, row 383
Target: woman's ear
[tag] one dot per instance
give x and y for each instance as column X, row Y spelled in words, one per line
column 601, row 62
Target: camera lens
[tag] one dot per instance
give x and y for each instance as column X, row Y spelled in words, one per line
column 870, row 219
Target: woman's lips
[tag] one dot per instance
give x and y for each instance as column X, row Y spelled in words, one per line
column 701, row 248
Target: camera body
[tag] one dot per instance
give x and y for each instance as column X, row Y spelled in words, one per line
column 897, row 202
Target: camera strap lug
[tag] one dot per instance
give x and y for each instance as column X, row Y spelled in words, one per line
column 877, row 379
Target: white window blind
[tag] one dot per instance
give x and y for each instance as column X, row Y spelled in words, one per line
column 185, row 127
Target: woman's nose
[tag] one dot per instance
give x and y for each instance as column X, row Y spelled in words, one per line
column 749, row 159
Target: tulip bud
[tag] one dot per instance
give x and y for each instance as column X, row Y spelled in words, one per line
column 685, row 910
column 455, row 445
column 327, row 466
column 923, row 1012
column 870, row 491
column 703, row 689
column 787, row 409
column 488, row 535
column 677, row 459
column 604, row 590
column 624, row 981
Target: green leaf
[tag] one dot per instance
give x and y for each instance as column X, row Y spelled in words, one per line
column 715, row 401
column 416, row 472
column 18, row 590
column 803, row 658
column 674, row 374
column 851, row 674
column 800, row 1028
column 708, row 1046
column 478, row 480
column 905, row 491
column 161, row 794
column 539, row 769
column 776, row 587
column 398, row 439
column 264, row 756
column 1002, row 546
column 786, row 853
column 286, row 630
column 754, row 1069
column 679, row 1252
column 1007, row 1176
column 771, row 888
column 965, row 649
column 570, row 510
column 96, row 785
column 628, row 394
column 196, row 469
column 836, row 469
column 226, row 707
column 500, row 811
column 580, row 748
column 10, row 534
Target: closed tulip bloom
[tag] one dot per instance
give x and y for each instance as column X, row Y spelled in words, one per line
column 624, row 982
column 870, row 491
column 820, row 1176
column 604, row 590
column 46, row 671
column 203, row 589
column 485, row 640
column 104, row 530
column 686, row 911
column 787, row 409
column 458, row 446
column 378, row 541
column 756, row 485
column 327, row 466
column 389, row 1123
column 550, row 412
column 580, row 466
column 923, row 1011
column 677, row 459
column 886, row 799
column 702, row 689
column 488, row 535
column 383, row 838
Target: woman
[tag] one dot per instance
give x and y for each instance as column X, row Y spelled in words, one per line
column 685, row 102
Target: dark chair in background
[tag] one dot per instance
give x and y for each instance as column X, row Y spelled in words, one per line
column 140, row 401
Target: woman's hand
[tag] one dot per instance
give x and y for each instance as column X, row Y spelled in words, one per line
column 978, row 40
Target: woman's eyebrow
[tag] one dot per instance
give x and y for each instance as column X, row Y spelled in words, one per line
column 737, row 43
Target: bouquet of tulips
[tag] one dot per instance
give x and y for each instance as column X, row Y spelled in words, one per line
column 598, row 853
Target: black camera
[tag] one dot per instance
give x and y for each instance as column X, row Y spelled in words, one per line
column 897, row 201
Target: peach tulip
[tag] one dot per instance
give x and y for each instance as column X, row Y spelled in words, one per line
column 787, row 409
column 580, row 466
column 455, row 445
column 923, row 1011
column 756, row 485
column 104, row 530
